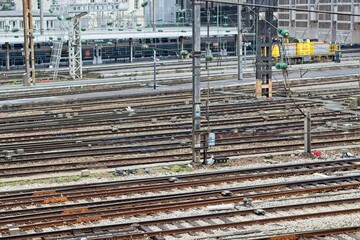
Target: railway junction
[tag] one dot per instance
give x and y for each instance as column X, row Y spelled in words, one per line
column 187, row 148
column 115, row 163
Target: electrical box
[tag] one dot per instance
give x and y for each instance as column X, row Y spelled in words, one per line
column 211, row 139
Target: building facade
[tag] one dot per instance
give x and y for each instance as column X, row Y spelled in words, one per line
column 322, row 26
column 127, row 18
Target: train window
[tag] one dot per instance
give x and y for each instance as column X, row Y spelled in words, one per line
column 164, row 40
column 156, row 40
column 140, row 41
column 4, row 46
column 18, row 46
column 87, row 53
column 173, row 40
column 148, row 40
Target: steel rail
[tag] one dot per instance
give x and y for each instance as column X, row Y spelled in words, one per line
column 106, row 150
column 117, row 190
column 85, row 187
column 127, row 85
column 36, row 220
column 141, row 112
column 145, row 230
column 271, row 122
column 120, row 141
column 151, row 147
column 313, row 233
column 164, row 158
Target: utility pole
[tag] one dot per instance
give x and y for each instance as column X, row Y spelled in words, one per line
column 154, row 15
column 196, row 53
column 154, row 68
column 7, row 53
column 75, row 55
column 41, row 17
column 265, row 30
column 29, row 76
column 207, row 33
column 307, row 132
column 334, row 21
column 239, row 44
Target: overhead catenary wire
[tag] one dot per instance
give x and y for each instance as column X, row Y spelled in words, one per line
column 235, row 2
column 285, row 72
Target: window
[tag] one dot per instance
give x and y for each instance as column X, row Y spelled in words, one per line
column 37, row 24
column 136, row 4
column 301, row 24
column 49, row 24
column 283, row 23
column 2, row 24
column 12, row 24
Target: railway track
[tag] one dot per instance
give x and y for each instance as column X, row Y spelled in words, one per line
column 162, row 112
column 30, row 218
column 351, row 233
column 31, row 195
column 108, row 138
column 132, row 155
column 102, row 135
column 111, row 85
column 125, row 127
column 42, row 146
column 195, row 224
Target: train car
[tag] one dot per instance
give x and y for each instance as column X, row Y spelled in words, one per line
column 116, row 50
column 305, row 52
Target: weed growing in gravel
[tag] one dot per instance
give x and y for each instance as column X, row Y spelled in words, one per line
column 62, row 179
column 180, row 168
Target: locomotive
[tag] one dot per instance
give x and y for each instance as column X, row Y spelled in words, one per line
column 305, row 51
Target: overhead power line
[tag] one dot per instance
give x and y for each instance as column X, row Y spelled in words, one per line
column 235, row 2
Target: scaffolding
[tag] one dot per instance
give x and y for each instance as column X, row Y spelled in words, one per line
column 55, row 57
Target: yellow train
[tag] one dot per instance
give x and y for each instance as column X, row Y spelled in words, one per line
column 302, row 52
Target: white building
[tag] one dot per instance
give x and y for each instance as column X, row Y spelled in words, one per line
column 129, row 15
column 35, row 3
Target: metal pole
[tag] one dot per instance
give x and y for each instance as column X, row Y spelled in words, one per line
column 131, row 50
column 154, row 15
column 7, row 56
column 334, row 21
column 239, row 48
column 41, row 17
column 154, row 68
column 181, row 46
column 196, row 82
column 31, row 41
column 26, row 43
column 307, row 132
column 244, row 56
column 208, row 33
